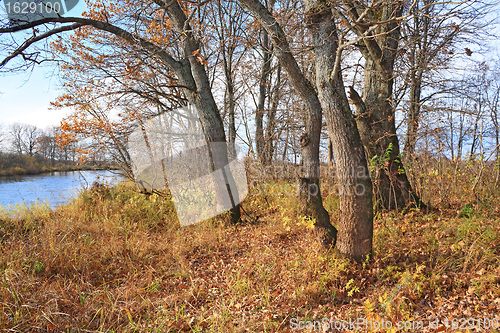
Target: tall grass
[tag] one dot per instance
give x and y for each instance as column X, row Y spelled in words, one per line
column 115, row 260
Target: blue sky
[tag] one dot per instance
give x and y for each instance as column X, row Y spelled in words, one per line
column 26, row 97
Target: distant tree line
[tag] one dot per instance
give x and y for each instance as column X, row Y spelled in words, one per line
column 28, row 149
column 26, row 139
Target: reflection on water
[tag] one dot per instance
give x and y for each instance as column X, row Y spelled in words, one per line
column 52, row 188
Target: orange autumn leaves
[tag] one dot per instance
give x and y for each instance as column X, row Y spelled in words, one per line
column 100, row 68
column 199, row 58
column 97, row 130
column 106, row 79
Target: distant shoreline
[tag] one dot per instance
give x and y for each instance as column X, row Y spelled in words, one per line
column 13, row 172
column 12, row 165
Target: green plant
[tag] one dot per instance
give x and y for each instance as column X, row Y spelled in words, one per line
column 378, row 162
column 351, row 288
column 37, row 267
column 467, row 211
column 153, row 286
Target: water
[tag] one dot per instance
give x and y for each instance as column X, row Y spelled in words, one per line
column 54, row 188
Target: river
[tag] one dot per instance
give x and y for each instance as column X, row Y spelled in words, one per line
column 53, row 188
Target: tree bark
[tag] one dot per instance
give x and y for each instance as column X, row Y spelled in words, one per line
column 355, row 187
column 308, row 182
column 263, row 91
column 376, row 119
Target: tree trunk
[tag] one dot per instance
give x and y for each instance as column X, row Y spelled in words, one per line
column 392, row 188
column 269, row 137
column 494, row 117
column 216, row 138
column 355, row 187
column 413, row 117
column 460, row 136
column 309, row 191
column 375, row 114
column 474, row 139
column 192, row 74
column 263, row 90
column 230, row 103
column 452, row 135
column 497, row 159
column 308, row 183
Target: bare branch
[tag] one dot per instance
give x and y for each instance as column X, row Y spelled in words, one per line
column 35, row 39
column 104, row 26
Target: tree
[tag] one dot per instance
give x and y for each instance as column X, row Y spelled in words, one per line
column 189, row 67
column 16, row 137
column 435, row 35
column 494, row 104
column 31, row 136
column 97, row 133
column 356, row 227
column 47, row 144
column 377, row 33
column 274, row 93
column 2, row 134
column 24, row 138
column 229, row 22
column 264, row 79
column 171, row 34
column 419, row 33
column 356, row 216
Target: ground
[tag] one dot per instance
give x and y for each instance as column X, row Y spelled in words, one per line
column 115, row 260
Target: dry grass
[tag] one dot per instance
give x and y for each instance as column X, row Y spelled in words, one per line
column 117, row 261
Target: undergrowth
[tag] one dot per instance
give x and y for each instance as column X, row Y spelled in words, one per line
column 115, row 260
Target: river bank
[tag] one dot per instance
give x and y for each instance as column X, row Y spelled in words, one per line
column 18, row 171
column 25, row 165
column 114, row 260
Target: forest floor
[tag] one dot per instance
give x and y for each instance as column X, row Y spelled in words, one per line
column 115, row 260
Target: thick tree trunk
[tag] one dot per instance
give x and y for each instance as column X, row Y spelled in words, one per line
column 309, row 191
column 392, row 187
column 355, row 187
